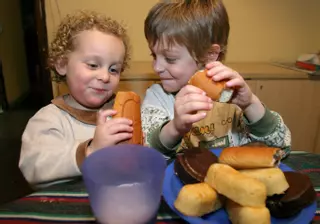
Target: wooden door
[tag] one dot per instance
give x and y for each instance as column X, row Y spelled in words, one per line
column 3, row 96
column 295, row 101
column 43, row 77
column 253, row 85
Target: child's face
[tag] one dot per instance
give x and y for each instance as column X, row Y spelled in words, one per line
column 174, row 65
column 93, row 68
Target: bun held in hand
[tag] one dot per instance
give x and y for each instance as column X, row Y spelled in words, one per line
column 217, row 91
column 127, row 105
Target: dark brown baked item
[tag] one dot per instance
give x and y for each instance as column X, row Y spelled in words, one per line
column 299, row 195
column 127, row 104
column 191, row 165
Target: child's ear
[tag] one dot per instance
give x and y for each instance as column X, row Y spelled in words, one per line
column 61, row 67
column 214, row 52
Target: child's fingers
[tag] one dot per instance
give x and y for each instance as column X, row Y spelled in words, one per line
column 216, row 70
column 192, row 118
column 194, row 97
column 239, row 82
column 193, row 107
column 121, row 137
column 213, row 64
column 190, row 89
column 118, row 121
column 114, row 129
column 225, row 74
column 103, row 114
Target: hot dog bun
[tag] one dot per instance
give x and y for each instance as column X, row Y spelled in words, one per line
column 236, row 186
column 250, row 157
column 273, row 178
column 217, row 91
column 197, row 200
column 247, row 215
column 127, row 104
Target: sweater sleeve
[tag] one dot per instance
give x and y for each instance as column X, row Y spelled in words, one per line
column 155, row 113
column 270, row 129
column 48, row 153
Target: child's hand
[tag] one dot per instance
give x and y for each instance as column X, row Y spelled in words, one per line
column 144, row 141
column 243, row 94
column 190, row 106
column 110, row 132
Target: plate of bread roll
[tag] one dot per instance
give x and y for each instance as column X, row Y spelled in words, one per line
column 238, row 185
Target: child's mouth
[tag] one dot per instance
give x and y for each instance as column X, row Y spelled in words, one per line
column 99, row 90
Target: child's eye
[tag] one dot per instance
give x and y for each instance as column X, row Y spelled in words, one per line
column 92, row 66
column 114, row 70
column 171, row 60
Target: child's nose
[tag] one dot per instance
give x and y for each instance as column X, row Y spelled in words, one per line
column 158, row 67
column 104, row 76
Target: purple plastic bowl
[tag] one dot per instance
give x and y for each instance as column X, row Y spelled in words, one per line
column 124, row 183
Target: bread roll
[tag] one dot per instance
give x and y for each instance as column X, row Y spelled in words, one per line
column 273, row 178
column 197, row 200
column 236, row 186
column 250, row 157
column 217, row 91
column 127, row 104
column 247, row 215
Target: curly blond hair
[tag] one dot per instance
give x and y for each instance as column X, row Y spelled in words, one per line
column 73, row 24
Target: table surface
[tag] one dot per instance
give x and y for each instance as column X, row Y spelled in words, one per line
column 68, row 202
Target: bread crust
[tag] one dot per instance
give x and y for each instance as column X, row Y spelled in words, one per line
column 127, row 105
column 236, row 186
column 250, row 157
column 247, row 215
column 273, row 179
column 197, row 200
column 217, row 91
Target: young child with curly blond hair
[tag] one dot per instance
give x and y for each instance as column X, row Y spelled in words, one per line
column 89, row 51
